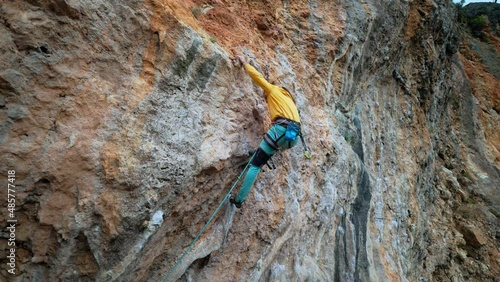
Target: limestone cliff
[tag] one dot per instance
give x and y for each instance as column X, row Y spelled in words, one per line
column 126, row 123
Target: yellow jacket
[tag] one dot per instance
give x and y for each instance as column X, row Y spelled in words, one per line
column 280, row 102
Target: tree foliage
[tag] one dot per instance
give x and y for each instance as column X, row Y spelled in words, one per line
column 476, row 20
column 478, row 25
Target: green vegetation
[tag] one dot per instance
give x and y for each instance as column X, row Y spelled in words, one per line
column 476, row 20
column 346, row 137
column 495, row 211
column 462, row 17
column 478, row 25
column 471, row 201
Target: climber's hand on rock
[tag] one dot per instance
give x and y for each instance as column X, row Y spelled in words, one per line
column 241, row 59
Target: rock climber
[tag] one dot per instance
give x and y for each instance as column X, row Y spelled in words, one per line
column 283, row 134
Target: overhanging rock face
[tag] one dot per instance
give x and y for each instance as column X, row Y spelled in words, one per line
column 127, row 122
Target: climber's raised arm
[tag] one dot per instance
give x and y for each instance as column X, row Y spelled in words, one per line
column 256, row 75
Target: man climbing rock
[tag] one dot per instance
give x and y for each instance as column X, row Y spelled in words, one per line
column 283, row 134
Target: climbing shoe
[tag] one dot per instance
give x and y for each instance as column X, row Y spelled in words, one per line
column 232, row 200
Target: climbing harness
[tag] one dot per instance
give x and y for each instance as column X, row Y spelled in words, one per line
column 209, row 220
column 270, row 164
column 307, row 153
column 292, row 131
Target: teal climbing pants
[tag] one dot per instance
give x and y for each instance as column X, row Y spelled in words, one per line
column 275, row 132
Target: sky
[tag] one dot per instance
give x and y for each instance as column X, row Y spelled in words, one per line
column 473, row 1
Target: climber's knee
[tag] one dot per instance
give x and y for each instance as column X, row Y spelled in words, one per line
column 260, row 158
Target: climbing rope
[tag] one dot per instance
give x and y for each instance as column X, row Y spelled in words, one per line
column 208, row 222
